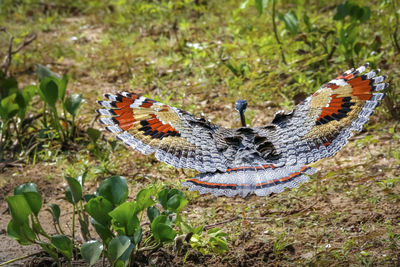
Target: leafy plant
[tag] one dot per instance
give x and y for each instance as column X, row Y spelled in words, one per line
column 348, row 29
column 26, row 228
column 52, row 89
column 214, row 241
column 14, row 104
column 118, row 221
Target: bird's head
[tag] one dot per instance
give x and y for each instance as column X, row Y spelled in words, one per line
column 241, row 106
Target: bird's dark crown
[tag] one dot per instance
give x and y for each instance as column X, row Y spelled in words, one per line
column 241, row 105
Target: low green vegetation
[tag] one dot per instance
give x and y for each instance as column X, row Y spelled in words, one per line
column 117, row 221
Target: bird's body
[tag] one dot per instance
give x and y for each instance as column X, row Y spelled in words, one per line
column 260, row 160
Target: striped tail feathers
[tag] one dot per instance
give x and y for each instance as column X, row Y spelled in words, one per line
column 244, row 181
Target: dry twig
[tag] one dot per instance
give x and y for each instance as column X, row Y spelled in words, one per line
column 8, row 58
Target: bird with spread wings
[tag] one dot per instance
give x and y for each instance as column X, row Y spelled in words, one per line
column 260, row 160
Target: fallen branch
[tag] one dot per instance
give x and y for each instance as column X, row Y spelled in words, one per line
column 20, row 258
column 8, row 58
column 234, row 218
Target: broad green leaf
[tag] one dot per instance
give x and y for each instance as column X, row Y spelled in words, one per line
column 68, row 195
column 48, row 91
column 94, row 134
column 88, row 197
column 144, row 198
column 63, row 244
column 291, row 21
column 137, row 236
column 72, row 103
column 260, row 5
column 19, row 99
column 114, row 189
column 82, row 178
column 28, row 187
column 19, row 207
column 32, row 196
column 124, row 219
column 8, row 107
column 24, row 100
column 98, row 208
column 341, row 11
column 76, row 189
column 103, row 231
column 177, row 202
column 55, row 212
column 8, row 86
column 366, row 14
column 42, row 72
column 123, row 260
column 172, row 199
column 34, row 200
column 117, row 246
column 186, row 228
column 91, row 251
column 21, row 232
column 232, row 69
column 62, row 86
column 152, row 213
column 218, row 245
column 163, row 197
column 161, row 230
column 198, row 229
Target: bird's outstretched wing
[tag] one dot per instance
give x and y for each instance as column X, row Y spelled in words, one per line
column 175, row 136
column 260, row 160
column 274, row 157
column 321, row 125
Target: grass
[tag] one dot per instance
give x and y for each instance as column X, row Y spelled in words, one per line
column 201, row 56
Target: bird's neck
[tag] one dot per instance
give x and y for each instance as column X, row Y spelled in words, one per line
column 242, row 119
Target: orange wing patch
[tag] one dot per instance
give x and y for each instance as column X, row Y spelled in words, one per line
column 129, row 110
column 337, row 109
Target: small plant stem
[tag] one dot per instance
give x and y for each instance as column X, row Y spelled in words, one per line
column 18, row 134
column 20, row 258
column 56, row 121
column 59, row 227
column 41, row 228
column 276, row 32
column 73, row 128
column 34, row 156
column 141, row 216
column 394, row 35
column 55, row 227
column 1, row 142
column 157, row 245
column 66, row 121
column 147, row 239
column 80, row 210
column 73, row 224
column 44, row 115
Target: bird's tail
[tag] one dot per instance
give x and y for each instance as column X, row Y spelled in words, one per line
column 243, row 181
